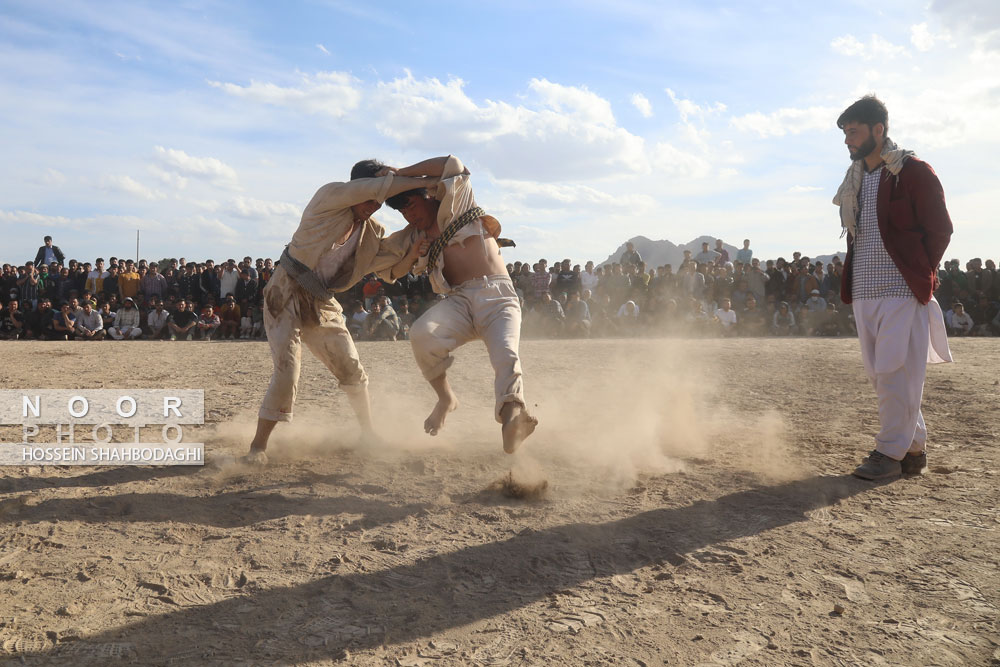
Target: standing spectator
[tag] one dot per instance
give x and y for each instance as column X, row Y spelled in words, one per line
column 371, row 290
column 48, row 253
column 127, row 321
column 723, row 253
column 757, row 280
column 630, row 256
column 153, row 284
column 89, row 325
column 744, row 255
column 230, row 276
column 706, row 256
column 95, row 279
column 889, row 275
column 128, row 281
column 566, row 280
column 27, row 285
column 250, row 269
column 156, row 322
column 246, row 288
column 209, row 283
column 540, row 281
column 588, row 279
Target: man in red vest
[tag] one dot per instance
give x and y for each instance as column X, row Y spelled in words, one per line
column 893, row 212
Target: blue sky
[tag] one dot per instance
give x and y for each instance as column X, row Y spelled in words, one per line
column 209, row 125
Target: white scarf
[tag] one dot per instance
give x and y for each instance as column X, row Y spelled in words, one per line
column 847, row 194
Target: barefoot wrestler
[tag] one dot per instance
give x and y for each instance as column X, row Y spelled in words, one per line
column 336, row 244
column 464, row 262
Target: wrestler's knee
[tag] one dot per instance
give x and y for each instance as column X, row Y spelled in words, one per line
column 420, row 333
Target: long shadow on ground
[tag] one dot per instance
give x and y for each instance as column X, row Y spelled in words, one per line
column 359, row 610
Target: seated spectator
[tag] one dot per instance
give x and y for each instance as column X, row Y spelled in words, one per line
column 89, row 325
column 552, row 316
column 12, row 321
column 356, row 321
column 577, row 316
column 257, row 316
column 157, row 321
column 813, row 312
column 960, row 323
column 830, row 324
column 183, row 322
column 695, row 318
column 725, row 317
column 627, row 318
column 382, row 322
column 64, row 323
column 246, row 321
column 752, row 320
column 783, row 322
column 208, row 323
column 39, row 321
column 406, row 319
column 127, row 321
column 229, row 317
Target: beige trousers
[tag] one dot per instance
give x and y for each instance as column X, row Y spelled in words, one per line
column 487, row 309
column 898, row 338
column 291, row 317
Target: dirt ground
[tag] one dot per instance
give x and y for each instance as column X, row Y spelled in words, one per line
column 698, row 512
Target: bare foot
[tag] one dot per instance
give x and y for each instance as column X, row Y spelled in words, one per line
column 256, row 458
column 517, row 425
column 435, row 422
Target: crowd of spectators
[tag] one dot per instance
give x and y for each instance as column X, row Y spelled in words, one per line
column 709, row 294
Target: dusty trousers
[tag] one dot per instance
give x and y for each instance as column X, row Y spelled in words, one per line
column 292, row 317
column 486, row 309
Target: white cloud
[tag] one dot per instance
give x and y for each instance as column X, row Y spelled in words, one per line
column 786, row 121
column 690, row 110
column 208, row 168
column 248, row 207
column 536, row 195
column 52, row 177
column 560, row 133
column 323, row 49
column 797, row 189
column 331, row 93
column 877, row 47
column 640, row 102
column 129, row 185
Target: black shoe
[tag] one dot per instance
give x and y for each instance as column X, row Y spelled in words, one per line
column 914, row 464
column 878, row 466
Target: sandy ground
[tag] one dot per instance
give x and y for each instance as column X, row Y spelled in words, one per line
column 699, row 511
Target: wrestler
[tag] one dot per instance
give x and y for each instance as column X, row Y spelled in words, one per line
column 336, row 244
column 464, row 262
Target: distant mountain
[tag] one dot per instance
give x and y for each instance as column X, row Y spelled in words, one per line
column 658, row 253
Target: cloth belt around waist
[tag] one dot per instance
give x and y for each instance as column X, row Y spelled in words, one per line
column 438, row 244
column 304, row 276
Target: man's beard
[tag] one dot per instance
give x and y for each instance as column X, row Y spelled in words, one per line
column 864, row 150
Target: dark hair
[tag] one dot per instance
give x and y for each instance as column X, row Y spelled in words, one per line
column 47, row 238
column 869, row 110
column 365, row 169
column 398, row 202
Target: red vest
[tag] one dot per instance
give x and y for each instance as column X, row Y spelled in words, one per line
column 914, row 225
